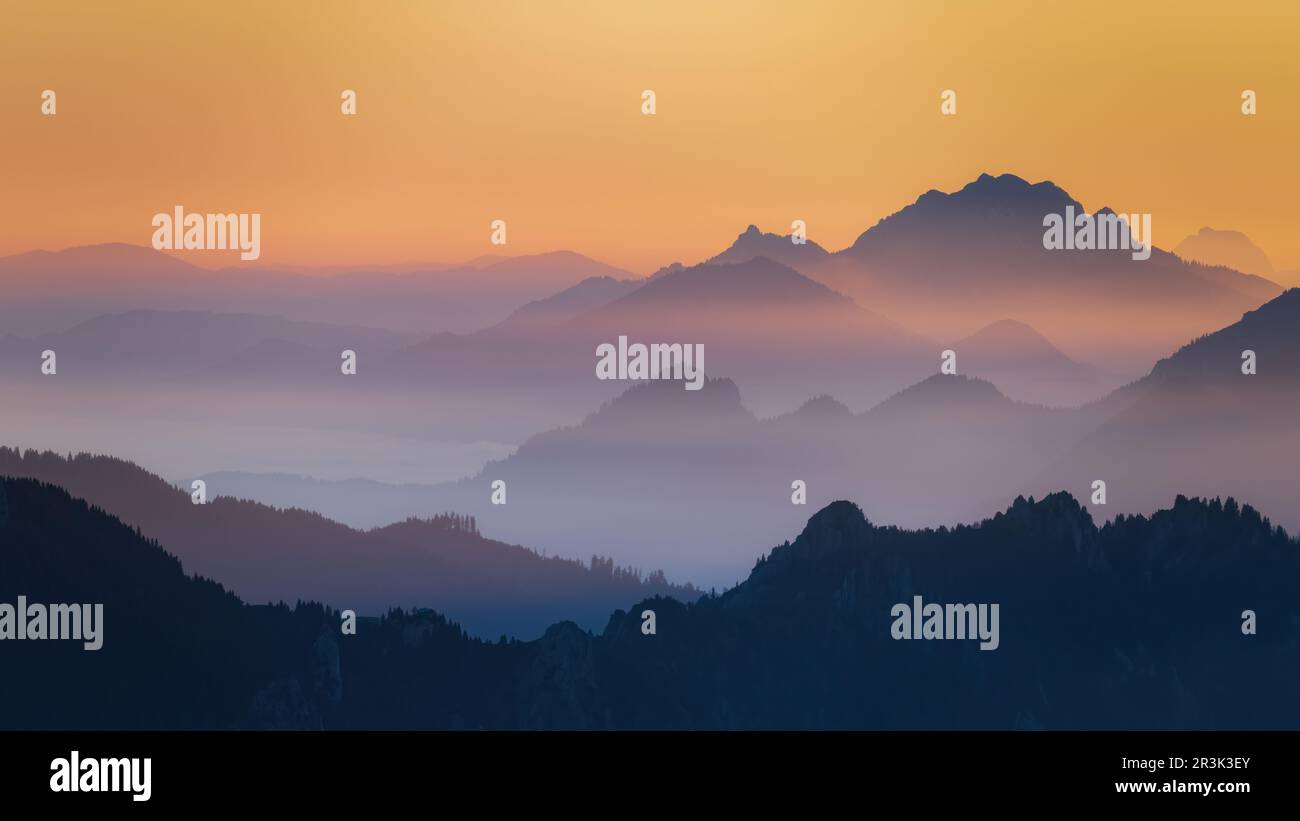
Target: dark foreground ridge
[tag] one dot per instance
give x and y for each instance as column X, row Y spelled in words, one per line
column 264, row 553
column 1137, row 624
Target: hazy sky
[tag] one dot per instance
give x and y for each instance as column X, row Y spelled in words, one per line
column 531, row 112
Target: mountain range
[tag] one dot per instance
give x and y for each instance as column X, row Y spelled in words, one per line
column 937, row 270
column 47, row 291
column 950, row 263
column 680, row 476
column 1230, row 249
column 1025, row 364
column 688, row 481
column 1135, row 625
column 836, row 353
column 267, row 554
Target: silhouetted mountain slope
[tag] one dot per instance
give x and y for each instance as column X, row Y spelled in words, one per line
column 756, row 282
column 1136, row 625
column 177, row 652
column 692, row 479
column 666, row 270
column 45, row 291
column 1198, row 422
column 103, row 264
column 946, row 394
column 1011, row 344
column 551, row 269
column 950, row 263
column 361, row 504
column 267, row 554
column 459, row 299
column 151, row 345
column 1208, row 371
column 1025, row 364
column 586, row 295
column 777, row 332
column 755, row 243
column 824, row 409
column 993, row 226
column 671, row 475
column 781, row 334
column 1272, row 331
column 1231, row 249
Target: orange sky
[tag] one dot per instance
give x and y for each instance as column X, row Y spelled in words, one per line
column 530, row 112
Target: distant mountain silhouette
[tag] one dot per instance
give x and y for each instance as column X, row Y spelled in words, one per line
column 592, row 292
column 1231, row 249
column 821, row 408
column 692, row 479
column 361, row 504
column 666, row 270
column 942, row 268
column 1135, row 625
column 1025, row 364
column 936, row 452
column 772, row 329
column 484, row 260
column 1013, row 344
column 758, row 281
column 762, row 323
column 267, row 554
column 550, row 270
column 950, row 263
column 169, row 344
column 995, row 223
column 1198, row 422
column 1272, row 331
column 97, row 266
column 50, row 291
column 754, row 243
column 945, row 393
